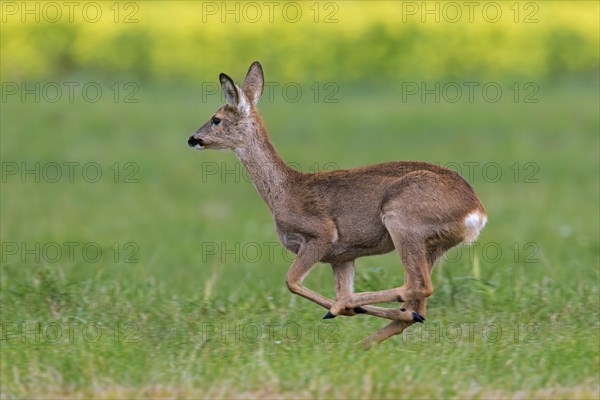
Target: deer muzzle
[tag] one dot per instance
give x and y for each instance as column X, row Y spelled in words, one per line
column 195, row 143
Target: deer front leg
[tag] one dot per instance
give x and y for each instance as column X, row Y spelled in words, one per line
column 417, row 285
column 343, row 276
column 308, row 255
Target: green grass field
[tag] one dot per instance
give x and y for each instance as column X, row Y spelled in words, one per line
column 161, row 277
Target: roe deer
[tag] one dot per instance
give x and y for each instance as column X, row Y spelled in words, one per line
column 417, row 208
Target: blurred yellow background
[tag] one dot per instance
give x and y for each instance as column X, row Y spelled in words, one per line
column 341, row 40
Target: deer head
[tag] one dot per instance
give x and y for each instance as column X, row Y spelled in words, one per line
column 233, row 124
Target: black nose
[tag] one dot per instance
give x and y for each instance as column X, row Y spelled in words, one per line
column 192, row 141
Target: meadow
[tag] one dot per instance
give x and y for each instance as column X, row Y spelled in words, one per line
column 163, row 276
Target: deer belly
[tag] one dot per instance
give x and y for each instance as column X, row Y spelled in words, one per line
column 360, row 243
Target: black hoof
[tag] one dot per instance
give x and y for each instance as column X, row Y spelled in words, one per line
column 328, row 315
column 360, row 310
column 417, row 317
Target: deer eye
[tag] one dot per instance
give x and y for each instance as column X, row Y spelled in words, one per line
column 216, row 121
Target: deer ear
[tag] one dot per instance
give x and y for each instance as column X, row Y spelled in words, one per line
column 229, row 90
column 234, row 95
column 254, row 83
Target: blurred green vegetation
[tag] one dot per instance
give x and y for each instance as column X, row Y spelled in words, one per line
column 342, row 40
column 542, row 290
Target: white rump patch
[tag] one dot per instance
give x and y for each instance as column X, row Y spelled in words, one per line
column 474, row 223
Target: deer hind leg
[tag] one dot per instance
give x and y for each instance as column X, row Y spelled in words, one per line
column 397, row 327
column 343, row 274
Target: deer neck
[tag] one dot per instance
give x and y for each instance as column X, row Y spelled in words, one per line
column 270, row 174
